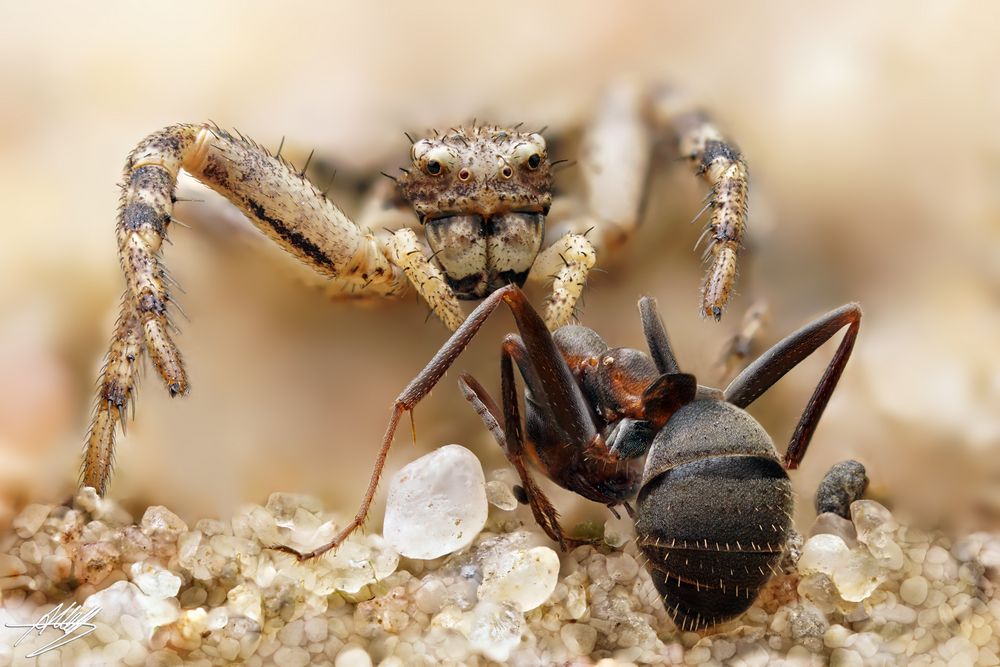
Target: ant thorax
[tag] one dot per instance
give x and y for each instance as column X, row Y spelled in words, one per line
column 482, row 194
column 613, row 379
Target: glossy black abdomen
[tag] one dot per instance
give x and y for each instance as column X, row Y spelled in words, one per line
column 713, row 514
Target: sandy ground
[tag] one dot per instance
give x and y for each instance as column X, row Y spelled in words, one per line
column 872, row 138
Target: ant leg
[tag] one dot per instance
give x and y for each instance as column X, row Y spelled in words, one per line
column 513, row 447
column 569, row 408
column 771, row 366
column 656, row 337
column 414, row 392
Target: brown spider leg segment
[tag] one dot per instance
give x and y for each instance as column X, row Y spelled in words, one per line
column 788, row 353
column 570, row 409
column 119, row 378
column 276, row 198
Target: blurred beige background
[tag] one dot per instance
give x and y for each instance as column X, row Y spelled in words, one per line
column 872, row 135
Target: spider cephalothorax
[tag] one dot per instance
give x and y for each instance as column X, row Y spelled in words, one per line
column 482, row 194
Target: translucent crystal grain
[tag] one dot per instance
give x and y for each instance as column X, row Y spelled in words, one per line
column 888, row 553
column 829, row 523
column 30, row 519
column 824, row 554
column 155, row 581
column 578, row 638
column 618, row 531
column 283, row 506
column 437, row 504
column 858, row 576
column 495, row 629
column 500, row 495
column 870, row 517
column 524, row 578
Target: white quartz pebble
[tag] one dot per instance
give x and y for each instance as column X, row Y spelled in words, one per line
column 11, row 566
column 437, row 504
column 30, row 519
column 158, row 521
column 823, row 553
column 353, row 656
column 245, row 600
column 123, row 598
column 500, row 495
column 525, row 578
column 292, row 657
column 914, row 591
column 495, row 629
column 155, row 581
column 578, row 638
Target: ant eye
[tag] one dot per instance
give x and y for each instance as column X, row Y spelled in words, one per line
column 534, row 160
column 433, row 167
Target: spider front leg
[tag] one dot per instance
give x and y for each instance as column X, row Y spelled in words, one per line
column 616, row 161
column 725, row 171
column 275, row 197
column 567, row 262
column 406, row 252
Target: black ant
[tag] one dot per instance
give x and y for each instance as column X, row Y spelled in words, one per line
column 713, row 500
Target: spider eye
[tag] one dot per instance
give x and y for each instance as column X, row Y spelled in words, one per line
column 433, row 167
column 534, row 160
column 507, row 172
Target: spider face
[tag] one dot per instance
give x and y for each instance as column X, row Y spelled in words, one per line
column 482, row 195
